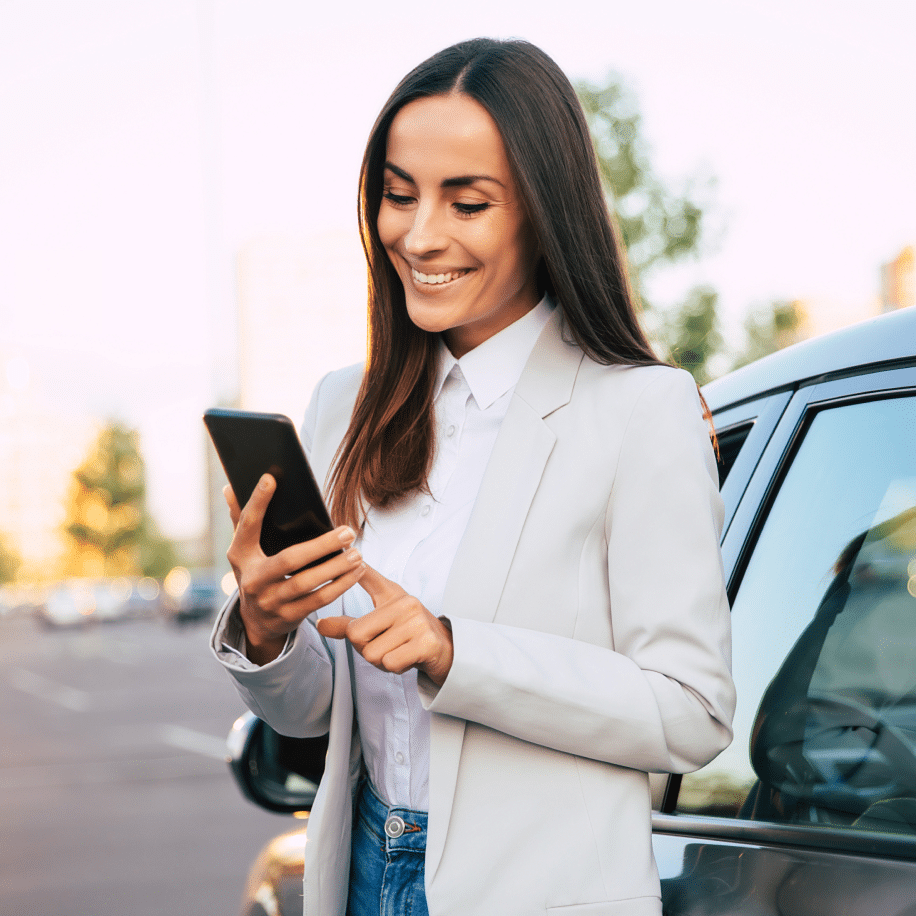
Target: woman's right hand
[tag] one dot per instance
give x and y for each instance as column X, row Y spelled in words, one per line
column 273, row 601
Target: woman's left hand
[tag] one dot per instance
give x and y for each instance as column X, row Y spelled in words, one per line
column 398, row 635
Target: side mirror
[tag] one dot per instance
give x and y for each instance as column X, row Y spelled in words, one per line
column 275, row 771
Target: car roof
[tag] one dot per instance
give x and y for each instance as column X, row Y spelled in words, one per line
column 871, row 344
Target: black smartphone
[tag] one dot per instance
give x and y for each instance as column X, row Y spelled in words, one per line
column 250, row 445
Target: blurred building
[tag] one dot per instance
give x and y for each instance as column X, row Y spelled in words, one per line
column 897, row 291
column 823, row 315
column 898, row 281
column 39, row 449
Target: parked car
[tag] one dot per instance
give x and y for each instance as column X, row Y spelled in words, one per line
column 812, row 809
column 22, row 600
column 141, row 597
column 79, row 602
column 191, row 596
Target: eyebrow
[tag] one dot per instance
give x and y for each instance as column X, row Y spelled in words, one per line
column 462, row 181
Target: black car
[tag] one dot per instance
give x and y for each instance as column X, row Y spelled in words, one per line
column 812, row 809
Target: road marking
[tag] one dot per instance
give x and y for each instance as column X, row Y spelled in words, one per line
column 196, row 742
column 105, row 772
column 39, row 686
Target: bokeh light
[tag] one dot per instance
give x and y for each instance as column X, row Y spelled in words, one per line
column 176, row 582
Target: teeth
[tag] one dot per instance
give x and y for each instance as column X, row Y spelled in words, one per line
column 437, row 278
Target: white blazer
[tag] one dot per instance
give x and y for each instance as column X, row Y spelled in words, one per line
column 592, row 646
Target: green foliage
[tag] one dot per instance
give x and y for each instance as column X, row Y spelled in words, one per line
column 658, row 225
column 10, row 561
column 109, row 530
column 158, row 555
column 770, row 328
column 693, row 333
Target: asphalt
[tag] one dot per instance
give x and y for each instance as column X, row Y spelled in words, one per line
column 115, row 799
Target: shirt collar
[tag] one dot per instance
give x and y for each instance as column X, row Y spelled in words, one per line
column 495, row 366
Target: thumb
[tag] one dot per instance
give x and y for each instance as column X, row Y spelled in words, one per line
column 248, row 526
column 378, row 588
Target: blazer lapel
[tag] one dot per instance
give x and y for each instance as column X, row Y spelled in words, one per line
column 482, row 563
column 512, row 477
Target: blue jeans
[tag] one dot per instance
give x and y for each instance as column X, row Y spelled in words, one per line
column 387, row 859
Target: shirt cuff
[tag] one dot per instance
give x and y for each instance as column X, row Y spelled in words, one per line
column 230, row 645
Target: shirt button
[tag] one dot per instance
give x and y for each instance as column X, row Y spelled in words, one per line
column 425, row 510
column 450, row 431
column 399, row 757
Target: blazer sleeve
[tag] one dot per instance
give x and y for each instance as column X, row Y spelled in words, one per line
column 662, row 698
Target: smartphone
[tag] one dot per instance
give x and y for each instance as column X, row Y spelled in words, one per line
column 250, row 445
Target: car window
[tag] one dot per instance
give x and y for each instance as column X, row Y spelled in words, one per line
column 824, row 626
column 730, row 442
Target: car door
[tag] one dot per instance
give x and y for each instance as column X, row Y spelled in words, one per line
column 812, row 809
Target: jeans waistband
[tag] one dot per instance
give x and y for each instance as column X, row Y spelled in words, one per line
column 399, row 828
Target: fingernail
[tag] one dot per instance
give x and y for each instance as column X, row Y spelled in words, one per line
column 353, row 555
column 346, row 535
column 264, row 483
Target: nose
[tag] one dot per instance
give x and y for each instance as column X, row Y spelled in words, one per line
column 426, row 233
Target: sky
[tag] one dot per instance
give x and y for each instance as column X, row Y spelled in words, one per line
column 145, row 143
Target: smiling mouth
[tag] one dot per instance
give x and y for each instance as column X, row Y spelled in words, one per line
column 438, row 279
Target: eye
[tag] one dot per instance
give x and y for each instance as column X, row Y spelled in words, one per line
column 470, row 209
column 399, row 200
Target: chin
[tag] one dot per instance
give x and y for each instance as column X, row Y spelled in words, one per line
column 424, row 317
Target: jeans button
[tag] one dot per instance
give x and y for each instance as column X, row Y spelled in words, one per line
column 394, row 826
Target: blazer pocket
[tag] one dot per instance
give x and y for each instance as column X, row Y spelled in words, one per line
column 635, row 906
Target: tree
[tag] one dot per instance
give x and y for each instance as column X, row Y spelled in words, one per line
column 658, row 226
column 693, row 332
column 662, row 227
column 109, row 531
column 770, row 328
column 10, row 561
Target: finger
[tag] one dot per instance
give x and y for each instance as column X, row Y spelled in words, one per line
column 248, row 530
column 334, row 627
column 431, row 651
column 326, row 545
column 323, row 596
column 380, row 589
column 401, row 658
column 379, row 623
column 233, row 504
column 281, row 618
column 308, row 580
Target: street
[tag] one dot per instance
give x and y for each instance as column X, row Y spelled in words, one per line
column 114, row 794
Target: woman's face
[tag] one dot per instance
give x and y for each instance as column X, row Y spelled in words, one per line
column 452, row 222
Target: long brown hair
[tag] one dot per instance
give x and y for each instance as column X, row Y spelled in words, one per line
column 388, row 449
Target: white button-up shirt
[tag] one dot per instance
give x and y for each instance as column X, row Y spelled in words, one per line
column 415, row 542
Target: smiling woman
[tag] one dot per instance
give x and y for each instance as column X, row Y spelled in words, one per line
column 531, row 590
column 453, row 223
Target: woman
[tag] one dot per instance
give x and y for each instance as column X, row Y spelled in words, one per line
column 541, row 617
